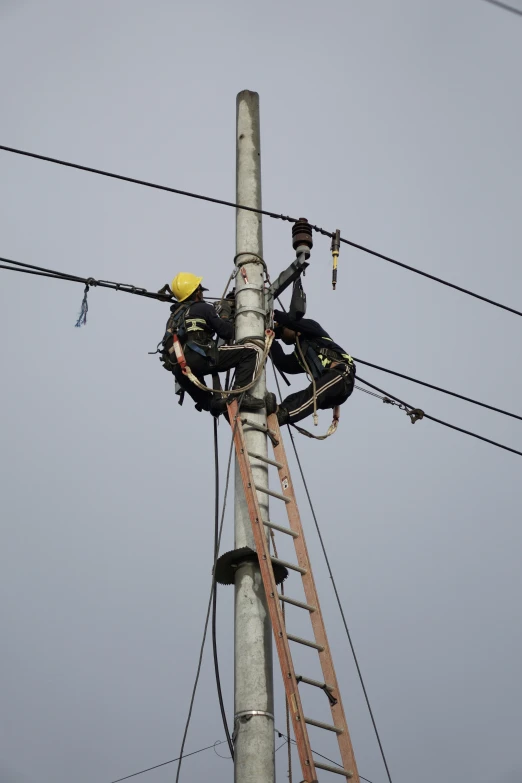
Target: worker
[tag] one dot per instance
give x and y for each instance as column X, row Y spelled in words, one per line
column 196, row 322
column 315, row 353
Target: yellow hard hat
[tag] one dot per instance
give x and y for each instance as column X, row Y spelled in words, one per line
column 184, row 284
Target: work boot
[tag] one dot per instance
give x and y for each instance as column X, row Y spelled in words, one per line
column 218, row 407
column 282, row 416
column 271, row 403
column 251, row 403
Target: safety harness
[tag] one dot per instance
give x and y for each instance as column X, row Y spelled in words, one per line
column 320, row 360
column 182, row 331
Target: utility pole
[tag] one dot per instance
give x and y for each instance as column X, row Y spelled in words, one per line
column 253, row 675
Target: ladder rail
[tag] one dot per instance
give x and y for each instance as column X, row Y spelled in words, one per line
column 312, row 598
column 274, row 605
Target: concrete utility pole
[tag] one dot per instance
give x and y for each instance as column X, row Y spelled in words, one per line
column 254, row 696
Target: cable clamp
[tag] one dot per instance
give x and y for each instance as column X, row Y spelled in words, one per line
column 245, row 715
column 416, row 414
column 253, row 258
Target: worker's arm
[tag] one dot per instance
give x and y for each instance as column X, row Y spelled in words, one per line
column 223, row 328
column 283, row 361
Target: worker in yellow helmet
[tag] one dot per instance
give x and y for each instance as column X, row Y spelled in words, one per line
column 195, row 322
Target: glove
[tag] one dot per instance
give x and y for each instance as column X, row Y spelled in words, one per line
column 226, row 309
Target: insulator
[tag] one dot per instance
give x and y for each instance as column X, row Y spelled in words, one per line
column 302, row 234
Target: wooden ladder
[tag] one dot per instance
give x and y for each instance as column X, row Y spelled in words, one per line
column 348, row 767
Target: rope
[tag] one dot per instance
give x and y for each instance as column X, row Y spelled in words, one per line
column 227, row 393
column 330, row 431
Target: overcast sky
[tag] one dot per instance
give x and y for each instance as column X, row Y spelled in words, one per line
column 397, row 122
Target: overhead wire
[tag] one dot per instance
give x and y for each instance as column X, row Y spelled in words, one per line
column 338, row 599
column 440, row 421
column 144, row 183
column 171, row 761
column 128, row 288
column 505, row 6
column 275, row 215
column 438, row 388
column 216, row 552
column 214, row 583
column 41, row 271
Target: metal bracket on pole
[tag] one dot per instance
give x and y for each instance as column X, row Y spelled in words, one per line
column 287, row 277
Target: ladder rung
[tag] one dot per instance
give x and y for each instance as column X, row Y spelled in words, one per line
column 260, row 457
column 272, row 493
column 300, row 604
column 291, row 566
column 315, row 683
column 261, row 428
column 305, row 642
column 286, row 530
column 320, row 725
column 338, row 770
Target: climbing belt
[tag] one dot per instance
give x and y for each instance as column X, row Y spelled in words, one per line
column 336, row 411
column 269, row 338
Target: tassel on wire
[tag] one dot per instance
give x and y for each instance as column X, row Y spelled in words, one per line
column 82, row 318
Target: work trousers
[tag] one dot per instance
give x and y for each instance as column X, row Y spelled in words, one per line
column 333, row 388
column 244, row 359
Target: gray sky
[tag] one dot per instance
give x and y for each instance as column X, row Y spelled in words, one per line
column 398, row 123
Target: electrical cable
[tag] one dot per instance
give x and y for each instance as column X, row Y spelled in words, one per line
column 430, row 277
column 131, row 289
column 439, row 388
column 41, row 271
column 439, row 421
column 214, row 602
column 339, row 604
column 216, row 552
column 144, row 183
column 274, row 215
column 504, row 6
column 164, row 764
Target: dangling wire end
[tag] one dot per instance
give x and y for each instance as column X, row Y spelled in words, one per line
column 82, row 317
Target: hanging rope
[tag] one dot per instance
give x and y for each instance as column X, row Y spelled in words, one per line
column 82, row 318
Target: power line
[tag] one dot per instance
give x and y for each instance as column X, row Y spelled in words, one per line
column 439, row 388
column 430, row 277
column 216, row 552
column 131, row 289
column 274, row 215
column 42, row 271
column 157, row 766
column 214, row 583
column 338, row 599
column 439, row 421
column 504, row 6
column 144, row 183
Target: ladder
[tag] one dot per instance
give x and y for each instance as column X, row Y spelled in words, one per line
column 309, row 765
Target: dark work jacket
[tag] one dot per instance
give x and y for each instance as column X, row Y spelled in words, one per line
column 312, row 338
column 200, row 341
column 217, row 325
